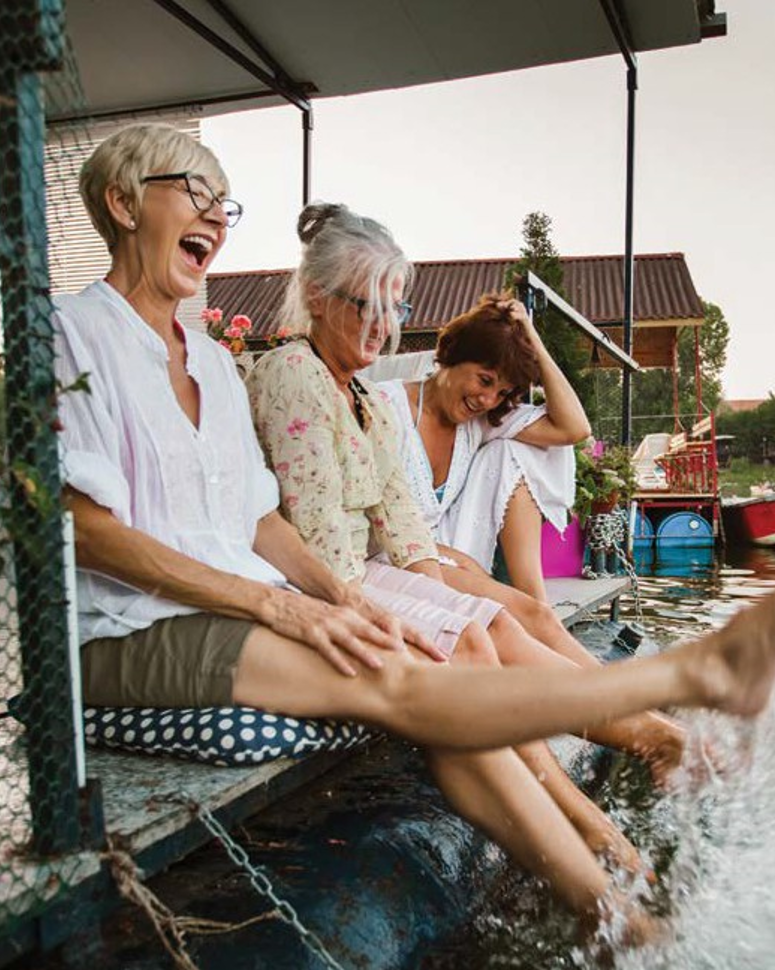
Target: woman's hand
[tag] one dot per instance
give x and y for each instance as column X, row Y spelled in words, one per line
column 393, row 625
column 337, row 633
column 518, row 314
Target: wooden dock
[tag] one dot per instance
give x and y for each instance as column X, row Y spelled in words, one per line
column 574, row 598
column 145, row 817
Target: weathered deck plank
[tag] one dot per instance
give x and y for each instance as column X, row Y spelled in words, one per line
column 573, row 597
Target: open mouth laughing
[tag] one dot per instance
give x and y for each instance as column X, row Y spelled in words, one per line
column 197, row 248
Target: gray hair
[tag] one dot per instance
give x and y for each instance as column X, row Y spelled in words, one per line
column 127, row 157
column 343, row 251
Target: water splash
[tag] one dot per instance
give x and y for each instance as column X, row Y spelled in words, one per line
column 714, row 846
column 720, row 885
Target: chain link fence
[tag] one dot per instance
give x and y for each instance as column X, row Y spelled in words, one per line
column 51, row 828
column 652, row 413
column 42, row 832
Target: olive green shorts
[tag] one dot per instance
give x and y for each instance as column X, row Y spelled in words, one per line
column 182, row 661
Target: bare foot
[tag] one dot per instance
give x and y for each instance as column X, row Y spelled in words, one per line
column 605, row 840
column 662, row 748
column 643, row 929
column 677, row 762
column 733, row 669
column 623, row 924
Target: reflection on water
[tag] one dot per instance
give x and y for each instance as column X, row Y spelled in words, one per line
column 714, row 849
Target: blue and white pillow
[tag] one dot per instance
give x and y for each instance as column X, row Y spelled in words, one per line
column 216, row 735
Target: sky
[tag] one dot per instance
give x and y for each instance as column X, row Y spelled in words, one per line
column 453, row 168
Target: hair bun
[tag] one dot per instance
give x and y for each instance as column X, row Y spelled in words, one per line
column 314, row 217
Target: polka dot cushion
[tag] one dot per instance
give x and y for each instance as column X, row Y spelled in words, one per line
column 216, row 735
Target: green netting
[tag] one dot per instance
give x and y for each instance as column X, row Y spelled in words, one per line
column 47, row 246
column 40, row 829
column 653, row 407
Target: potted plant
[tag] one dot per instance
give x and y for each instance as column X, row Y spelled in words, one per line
column 604, row 478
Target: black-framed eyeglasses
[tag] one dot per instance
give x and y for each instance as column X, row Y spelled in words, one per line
column 368, row 311
column 202, row 196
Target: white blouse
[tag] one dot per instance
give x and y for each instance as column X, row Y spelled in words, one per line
column 130, row 447
column 480, row 479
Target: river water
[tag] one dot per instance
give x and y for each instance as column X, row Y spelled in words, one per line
column 713, row 849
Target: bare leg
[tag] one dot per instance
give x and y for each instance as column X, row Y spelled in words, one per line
column 593, row 825
column 495, row 791
column 473, row 709
column 597, row 830
column 520, row 540
column 651, row 736
column 457, row 709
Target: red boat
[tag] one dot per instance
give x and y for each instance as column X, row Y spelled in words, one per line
column 750, row 520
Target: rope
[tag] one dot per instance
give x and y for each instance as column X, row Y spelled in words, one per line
column 258, row 877
column 170, row 929
column 127, row 878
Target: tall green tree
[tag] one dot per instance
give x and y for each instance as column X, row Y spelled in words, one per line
column 754, row 431
column 539, row 254
column 652, row 397
column 714, row 342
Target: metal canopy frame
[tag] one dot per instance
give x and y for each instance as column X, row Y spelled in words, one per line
column 277, row 79
column 599, row 338
column 619, row 30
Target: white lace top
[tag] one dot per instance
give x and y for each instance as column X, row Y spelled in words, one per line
column 480, row 483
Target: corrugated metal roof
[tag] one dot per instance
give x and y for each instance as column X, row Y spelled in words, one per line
column 258, row 295
column 663, row 287
column 442, row 289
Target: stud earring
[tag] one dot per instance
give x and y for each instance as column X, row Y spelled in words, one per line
column 132, row 225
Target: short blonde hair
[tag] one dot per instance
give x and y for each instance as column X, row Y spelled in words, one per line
column 127, row 157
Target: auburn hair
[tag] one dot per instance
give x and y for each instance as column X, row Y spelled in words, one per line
column 487, row 335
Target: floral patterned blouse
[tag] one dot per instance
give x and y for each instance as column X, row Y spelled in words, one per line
column 342, row 487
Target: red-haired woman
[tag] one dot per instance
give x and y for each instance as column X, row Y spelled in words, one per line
column 482, row 466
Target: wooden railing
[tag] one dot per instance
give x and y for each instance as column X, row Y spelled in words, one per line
column 690, row 462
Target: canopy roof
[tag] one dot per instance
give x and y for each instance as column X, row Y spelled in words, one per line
column 149, row 55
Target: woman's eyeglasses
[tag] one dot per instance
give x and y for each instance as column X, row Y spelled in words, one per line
column 202, row 196
column 368, row 311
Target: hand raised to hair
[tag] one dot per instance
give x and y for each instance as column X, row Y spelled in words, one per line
column 518, row 314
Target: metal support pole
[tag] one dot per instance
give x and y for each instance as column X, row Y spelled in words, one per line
column 307, row 124
column 676, row 392
column 629, row 257
column 619, row 28
column 697, row 372
column 33, row 517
